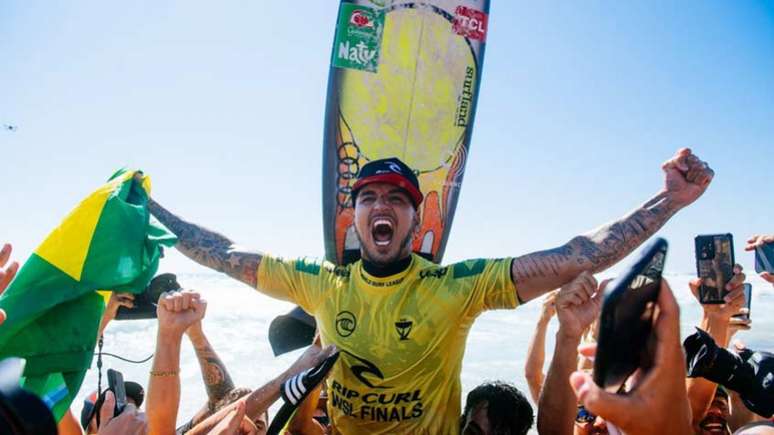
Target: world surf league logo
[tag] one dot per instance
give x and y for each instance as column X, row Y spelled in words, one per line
column 358, row 38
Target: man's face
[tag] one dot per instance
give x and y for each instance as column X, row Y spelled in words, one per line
column 385, row 223
column 478, row 421
column 716, row 419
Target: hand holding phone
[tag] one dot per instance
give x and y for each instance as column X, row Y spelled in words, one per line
column 764, row 258
column 625, row 339
column 116, row 385
column 715, row 266
column 747, row 303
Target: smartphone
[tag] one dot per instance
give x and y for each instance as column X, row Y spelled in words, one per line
column 747, row 302
column 764, row 258
column 715, row 266
column 625, row 341
column 116, row 385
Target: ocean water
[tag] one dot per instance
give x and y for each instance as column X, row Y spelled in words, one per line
column 238, row 318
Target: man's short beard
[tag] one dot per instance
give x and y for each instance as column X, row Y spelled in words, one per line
column 363, row 252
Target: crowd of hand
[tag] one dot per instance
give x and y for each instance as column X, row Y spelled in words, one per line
column 660, row 399
column 666, row 395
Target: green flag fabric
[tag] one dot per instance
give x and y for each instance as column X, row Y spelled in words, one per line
column 108, row 242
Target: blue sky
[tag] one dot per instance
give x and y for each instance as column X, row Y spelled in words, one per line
column 222, row 104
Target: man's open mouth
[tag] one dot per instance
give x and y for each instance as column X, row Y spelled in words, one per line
column 713, row 426
column 382, row 231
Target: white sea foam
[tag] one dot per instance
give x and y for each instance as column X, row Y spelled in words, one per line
column 238, row 318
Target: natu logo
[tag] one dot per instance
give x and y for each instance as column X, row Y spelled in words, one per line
column 358, row 38
column 346, row 323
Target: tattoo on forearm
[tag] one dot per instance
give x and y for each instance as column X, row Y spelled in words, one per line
column 542, row 264
column 599, row 249
column 216, row 378
column 209, row 248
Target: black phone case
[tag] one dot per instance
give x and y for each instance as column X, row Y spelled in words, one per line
column 714, row 265
column 747, row 302
column 622, row 349
column 145, row 302
column 116, row 385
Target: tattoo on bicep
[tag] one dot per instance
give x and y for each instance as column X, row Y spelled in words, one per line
column 216, row 378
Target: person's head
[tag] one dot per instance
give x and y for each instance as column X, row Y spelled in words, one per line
column 386, row 198
column 715, row 421
column 496, row 408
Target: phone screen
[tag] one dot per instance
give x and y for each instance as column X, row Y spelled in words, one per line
column 626, row 321
column 715, row 266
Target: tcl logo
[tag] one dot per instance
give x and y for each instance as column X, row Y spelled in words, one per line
column 470, row 23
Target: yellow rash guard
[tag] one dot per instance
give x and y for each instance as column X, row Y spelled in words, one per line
column 402, row 338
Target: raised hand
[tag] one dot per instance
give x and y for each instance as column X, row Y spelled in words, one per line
column 235, row 423
column 758, row 240
column 578, row 304
column 116, row 301
column 658, row 403
column 549, row 306
column 129, row 422
column 6, row 273
column 734, row 300
column 687, row 177
column 178, row 310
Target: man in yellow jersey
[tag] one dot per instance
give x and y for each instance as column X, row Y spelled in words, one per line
column 401, row 321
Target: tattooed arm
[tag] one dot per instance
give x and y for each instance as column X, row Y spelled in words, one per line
column 687, row 178
column 217, row 381
column 209, row 248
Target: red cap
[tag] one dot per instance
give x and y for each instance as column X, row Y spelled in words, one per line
column 391, row 171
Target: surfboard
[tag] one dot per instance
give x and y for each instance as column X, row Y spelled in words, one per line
column 404, row 82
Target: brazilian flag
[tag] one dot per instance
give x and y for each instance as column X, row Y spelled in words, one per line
column 108, row 242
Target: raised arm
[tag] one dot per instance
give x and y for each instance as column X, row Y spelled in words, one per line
column 209, row 248
column 533, row 368
column 715, row 321
column 686, row 179
column 176, row 311
column 577, row 306
column 217, row 380
column 257, row 402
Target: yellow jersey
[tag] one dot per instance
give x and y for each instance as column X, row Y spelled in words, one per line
column 402, row 338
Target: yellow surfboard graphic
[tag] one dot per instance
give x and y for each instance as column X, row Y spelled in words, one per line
column 403, row 83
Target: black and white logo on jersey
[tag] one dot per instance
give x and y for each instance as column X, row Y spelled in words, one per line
column 403, row 326
column 365, row 367
column 346, row 322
